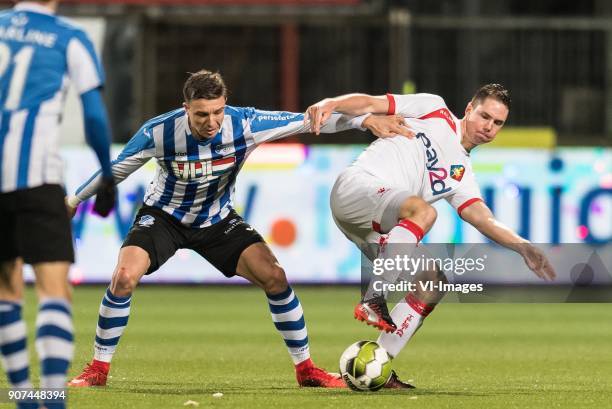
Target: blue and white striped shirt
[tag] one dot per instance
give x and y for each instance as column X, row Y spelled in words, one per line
column 40, row 54
column 194, row 181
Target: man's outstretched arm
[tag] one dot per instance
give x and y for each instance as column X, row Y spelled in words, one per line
column 136, row 153
column 481, row 217
column 405, row 106
column 350, row 104
column 267, row 126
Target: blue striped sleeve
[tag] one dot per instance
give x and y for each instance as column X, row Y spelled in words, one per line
column 262, row 121
column 266, row 126
column 135, row 154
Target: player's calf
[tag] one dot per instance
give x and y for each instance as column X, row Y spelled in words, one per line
column 430, row 297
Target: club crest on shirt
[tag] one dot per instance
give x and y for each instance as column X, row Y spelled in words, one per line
column 457, row 172
column 146, row 221
column 223, row 148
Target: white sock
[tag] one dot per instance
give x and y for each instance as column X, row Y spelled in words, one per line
column 408, row 315
column 399, row 242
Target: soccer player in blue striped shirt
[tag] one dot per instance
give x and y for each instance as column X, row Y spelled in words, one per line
column 40, row 54
column 199, row 149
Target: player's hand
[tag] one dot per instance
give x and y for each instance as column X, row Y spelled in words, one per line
column 537, row 262
column 105, row 196
column 70, row 208
column 318, row 114
column 387, row 126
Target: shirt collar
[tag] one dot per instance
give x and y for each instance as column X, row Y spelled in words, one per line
column 34, row 7
column 187, row 127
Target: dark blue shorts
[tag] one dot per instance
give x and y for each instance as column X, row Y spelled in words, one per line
column 161, row 235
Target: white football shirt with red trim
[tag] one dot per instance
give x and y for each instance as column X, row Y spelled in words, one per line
column 433, row 164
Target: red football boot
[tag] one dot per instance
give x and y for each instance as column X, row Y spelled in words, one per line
column 374, row 312
column 94, row 374
column 309, row 375
column 395, row 383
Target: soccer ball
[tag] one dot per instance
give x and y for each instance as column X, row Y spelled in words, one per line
column 365, row 366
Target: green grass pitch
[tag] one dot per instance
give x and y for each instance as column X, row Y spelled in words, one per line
column 186, row 344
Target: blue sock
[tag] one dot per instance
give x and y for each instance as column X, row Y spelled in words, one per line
column 288, row 318
column 54, row 344
column 13, row 348
column 112, row 320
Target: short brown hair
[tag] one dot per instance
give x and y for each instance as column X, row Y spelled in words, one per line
column 204, row 84
column 495, row 91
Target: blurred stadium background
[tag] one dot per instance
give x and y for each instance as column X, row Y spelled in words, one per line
column 549, row 176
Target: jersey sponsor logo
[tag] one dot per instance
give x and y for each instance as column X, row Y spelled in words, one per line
column 146, row 221
column 457, row 172
column 219, row 166
column 382, row 191
column 276, row 117
column 198, row 169
column 189, row 170
column 437, row 175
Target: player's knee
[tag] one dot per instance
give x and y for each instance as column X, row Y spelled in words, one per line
column 419, row 211
column 125, row 280
column 411, row 207
column 429, row 216
column 275, row 280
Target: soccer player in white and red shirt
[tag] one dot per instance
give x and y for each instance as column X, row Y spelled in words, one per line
column 386, row 195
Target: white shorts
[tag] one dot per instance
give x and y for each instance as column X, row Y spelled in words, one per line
column 364, row 206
